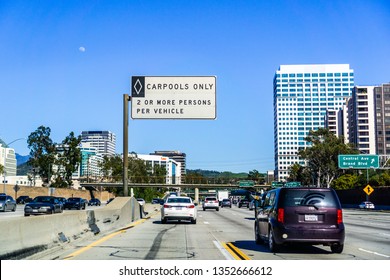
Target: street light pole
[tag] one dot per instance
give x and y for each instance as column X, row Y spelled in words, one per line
column 5, row 157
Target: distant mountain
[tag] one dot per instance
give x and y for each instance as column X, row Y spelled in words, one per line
column 21, row 159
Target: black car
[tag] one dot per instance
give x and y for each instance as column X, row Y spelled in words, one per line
column 23, row 199
column 43, row 205
column 156, row 201
column 300, row 215
column 75, row 202
column 244, row 202
column 94, row 202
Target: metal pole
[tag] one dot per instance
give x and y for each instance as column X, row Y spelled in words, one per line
column 5, row 154
column 126, row 100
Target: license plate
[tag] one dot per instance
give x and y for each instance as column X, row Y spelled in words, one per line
column 311, row 218
column 35, row 210
column 178, row 208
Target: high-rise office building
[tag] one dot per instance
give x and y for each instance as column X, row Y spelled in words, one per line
column 302, row 96
column 382, row 113
column 103, row 141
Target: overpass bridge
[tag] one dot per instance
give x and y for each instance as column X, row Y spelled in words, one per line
column 195, row 187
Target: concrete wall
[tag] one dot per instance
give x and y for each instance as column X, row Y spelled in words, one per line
column 61, row 192
column 27, row 235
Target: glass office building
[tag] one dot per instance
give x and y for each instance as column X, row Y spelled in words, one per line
column 302, row 96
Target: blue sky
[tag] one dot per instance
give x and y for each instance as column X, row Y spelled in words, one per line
column 45, row 79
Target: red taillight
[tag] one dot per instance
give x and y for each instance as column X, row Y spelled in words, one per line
column 167, row 206
column 281, row 215
column 339, row 216
column 191, row 206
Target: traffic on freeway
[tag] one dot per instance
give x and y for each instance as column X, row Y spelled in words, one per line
column 226, row 234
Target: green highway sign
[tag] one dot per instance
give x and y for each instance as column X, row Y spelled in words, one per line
column 247, row 183
column 359, row 161
column 277, row 184
column 292, row 184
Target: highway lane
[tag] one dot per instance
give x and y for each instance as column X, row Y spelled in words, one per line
column 367, row 237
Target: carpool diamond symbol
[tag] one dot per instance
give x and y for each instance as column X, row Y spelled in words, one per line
column 138, row 86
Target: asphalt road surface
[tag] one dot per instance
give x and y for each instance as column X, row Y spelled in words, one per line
column 226, row 235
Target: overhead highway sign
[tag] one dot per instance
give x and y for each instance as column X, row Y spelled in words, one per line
column 166, row 97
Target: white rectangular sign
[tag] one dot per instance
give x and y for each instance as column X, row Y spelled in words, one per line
column 183, row 97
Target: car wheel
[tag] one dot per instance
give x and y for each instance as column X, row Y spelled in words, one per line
column 163, row 221
column 217, row 209
column 193, row 221
column 337, row 248
column 204, row 209
column 273, row 247
column 13, row 209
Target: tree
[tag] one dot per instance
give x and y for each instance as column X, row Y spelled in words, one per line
column 1, row 169
column 112, row 167
column 322, row 155
column 256, row 176
column 344, row 182
column 42, row 152
column 67, row 160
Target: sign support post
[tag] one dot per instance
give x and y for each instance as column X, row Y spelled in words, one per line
column 126, row 100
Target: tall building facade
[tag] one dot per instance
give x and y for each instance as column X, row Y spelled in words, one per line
column 361, row 119
column 302, row 96
column 8, row 160
column 103, row 141
column 382, row 113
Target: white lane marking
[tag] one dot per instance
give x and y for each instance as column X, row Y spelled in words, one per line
column 223, row 250
column 375, row 253
column 206, row 223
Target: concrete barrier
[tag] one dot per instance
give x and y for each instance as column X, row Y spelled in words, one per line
column 25, row 236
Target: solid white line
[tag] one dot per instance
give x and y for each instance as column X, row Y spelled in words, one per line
column 375, row 253
column 206, row 223
column 223, row 250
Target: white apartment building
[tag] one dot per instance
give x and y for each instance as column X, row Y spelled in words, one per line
column 302, row 96
column 8, row 160
column 173, row 167
column 361, row 119
column 103, row 141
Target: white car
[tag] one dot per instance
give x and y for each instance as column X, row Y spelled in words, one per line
column 141, row 201
column 210, row 203
column 366, row 205
column 178, row 208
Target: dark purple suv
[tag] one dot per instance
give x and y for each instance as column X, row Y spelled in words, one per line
column 300, row 215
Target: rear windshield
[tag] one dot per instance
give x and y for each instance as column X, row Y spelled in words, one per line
column 210, row 198
column 291, row 197
column 179, row 200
